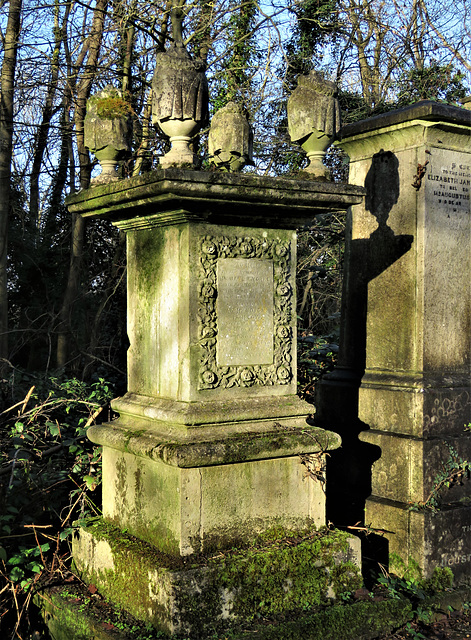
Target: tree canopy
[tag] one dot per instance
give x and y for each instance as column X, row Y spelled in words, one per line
column 61, row 279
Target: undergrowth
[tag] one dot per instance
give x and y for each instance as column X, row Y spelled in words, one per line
column 50, row 476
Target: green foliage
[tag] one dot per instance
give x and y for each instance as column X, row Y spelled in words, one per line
column 234, row 79
column 415, row 589
column 38, row 262
column 440, row 580
column 432, row 82
column 315, row 21
column 26, row 561
column 454, row 471
column 51, row 469
column 406, row 577
column 317, row 355
column 437, row 82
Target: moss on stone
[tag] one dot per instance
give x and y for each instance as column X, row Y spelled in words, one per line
column 284, row 572
column 360, row 621
column 70, row 620
column 121, row 541
column 345, row 578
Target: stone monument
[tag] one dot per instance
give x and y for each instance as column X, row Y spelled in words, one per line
column 314, row 120
column 180, row 97
column 212, row 448
column 206, row 452
column 230, row 140
column 405, row 345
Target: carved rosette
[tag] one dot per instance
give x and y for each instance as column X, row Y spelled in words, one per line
column 211, row 375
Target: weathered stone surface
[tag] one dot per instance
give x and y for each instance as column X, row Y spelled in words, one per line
column 183, row 511
column 209, row 594
column 314, row 120
column 191, row 495
column 171, row 196
column 230, row 139
column 107, row 121
column 425, row 110
column 180, row 90
column 216, row 444
column 408, row 468
column 431, row 539
column 206, row 451
column 407, row 313
column 108, row 131
column 313, row 106
column 180, row 101
column 212, row 416
column 173, row 313
column 245, row 312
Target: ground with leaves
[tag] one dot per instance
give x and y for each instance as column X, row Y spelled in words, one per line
column 455, row 626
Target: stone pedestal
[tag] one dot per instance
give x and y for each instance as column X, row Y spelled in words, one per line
column 407, row 312
column 206, row 452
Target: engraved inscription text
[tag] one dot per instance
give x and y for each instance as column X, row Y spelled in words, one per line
column 245, row 311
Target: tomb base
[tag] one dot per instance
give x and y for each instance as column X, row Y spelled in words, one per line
column 212, row 447
column 204, row 594
column 426, row 539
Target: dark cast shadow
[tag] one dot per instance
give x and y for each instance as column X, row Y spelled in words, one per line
column 349, row 467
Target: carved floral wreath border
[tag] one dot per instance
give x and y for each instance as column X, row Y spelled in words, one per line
column 211, row 375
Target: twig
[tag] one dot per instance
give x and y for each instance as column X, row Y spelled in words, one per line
column 10, row 484
column 94, row 415
column 26, row 400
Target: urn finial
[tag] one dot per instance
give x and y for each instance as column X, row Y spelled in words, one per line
column 314, row 120
column 180, row 100
column 108, row 131
column 230, row 140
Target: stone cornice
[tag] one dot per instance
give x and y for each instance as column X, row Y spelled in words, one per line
column 173, row 196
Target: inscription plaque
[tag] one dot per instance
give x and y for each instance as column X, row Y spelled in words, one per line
column 446, row 232
column 245, row 311
column 449, row 186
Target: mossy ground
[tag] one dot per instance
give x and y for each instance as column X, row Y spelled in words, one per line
column 83, row 611
column 80, row 611
column 255, row 579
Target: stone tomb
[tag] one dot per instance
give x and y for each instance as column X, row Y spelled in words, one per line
column 205, row 453
column 407, row 315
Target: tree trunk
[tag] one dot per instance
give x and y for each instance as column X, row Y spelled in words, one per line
column 83, row 87
column 7, row 83
column 43, row 130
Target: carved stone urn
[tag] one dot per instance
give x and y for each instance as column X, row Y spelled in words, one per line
column 230, row 141
column 108, row 131
column 180, row 101
column 314, row 120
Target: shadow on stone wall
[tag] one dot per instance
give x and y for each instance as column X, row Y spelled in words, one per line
column 349, row 468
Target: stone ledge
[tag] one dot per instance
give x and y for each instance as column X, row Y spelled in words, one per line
column 242, row 447
column 423, row 110
column 172, row 196
column 210, row 412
